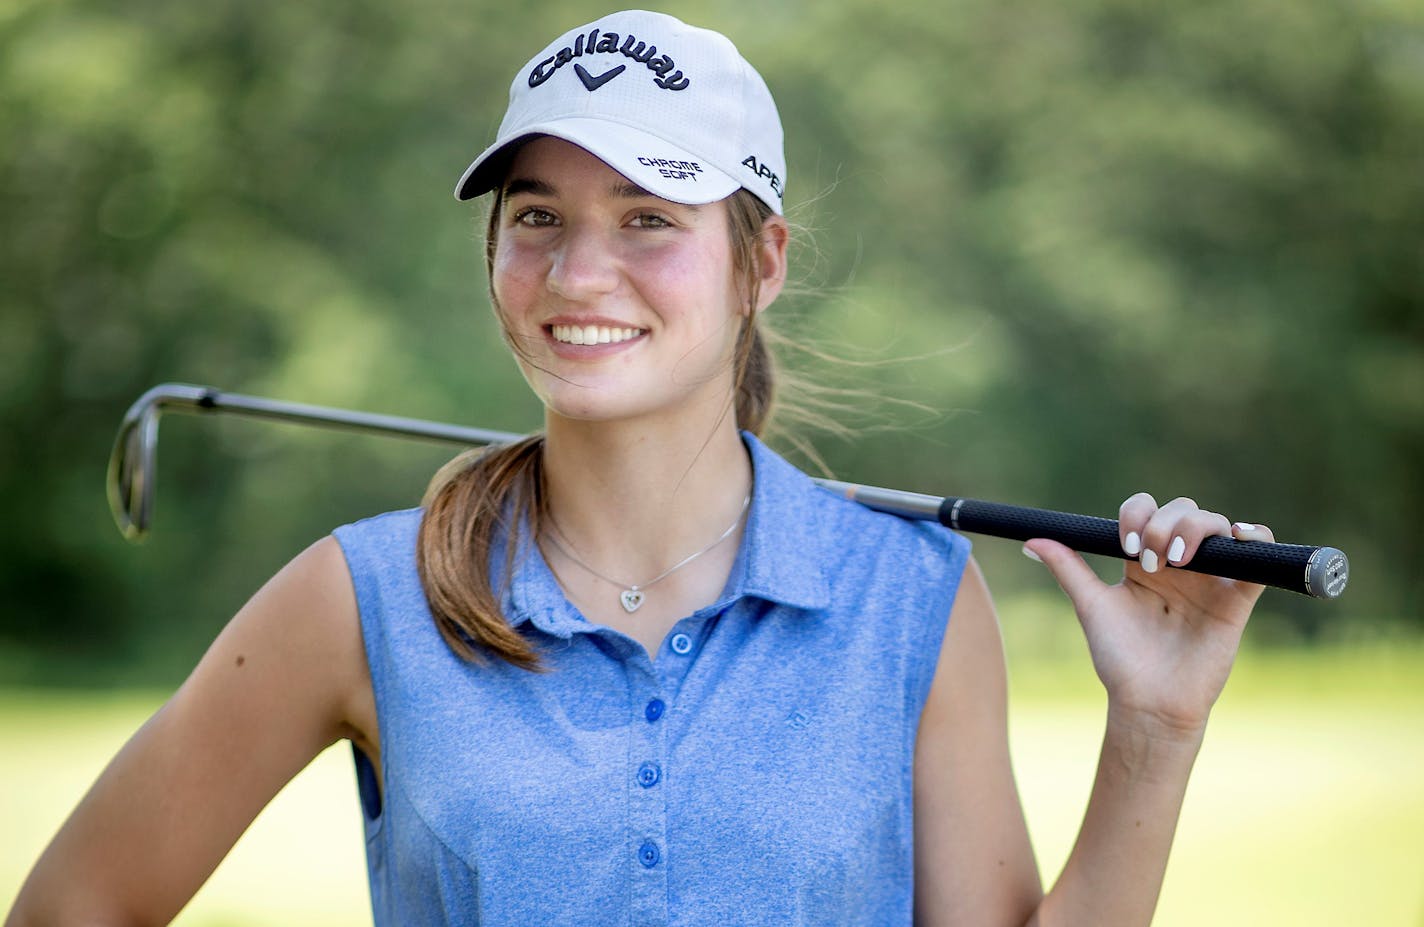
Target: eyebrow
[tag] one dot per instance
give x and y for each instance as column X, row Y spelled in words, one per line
column 528, row 185
column 630, row 191
column 623, row 189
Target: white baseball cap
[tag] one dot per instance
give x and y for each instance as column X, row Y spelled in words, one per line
column 673, row 108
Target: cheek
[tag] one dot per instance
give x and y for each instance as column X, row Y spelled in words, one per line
column 695, row 281
column 513, row 276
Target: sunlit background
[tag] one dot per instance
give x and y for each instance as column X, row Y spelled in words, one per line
column 1066, row 251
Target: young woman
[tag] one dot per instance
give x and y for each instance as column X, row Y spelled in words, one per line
column 638, row 669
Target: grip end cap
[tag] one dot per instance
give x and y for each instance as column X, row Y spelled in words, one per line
column 1326, row 573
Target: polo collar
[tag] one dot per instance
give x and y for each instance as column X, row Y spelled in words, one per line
column 780, row 559
column 782, row 556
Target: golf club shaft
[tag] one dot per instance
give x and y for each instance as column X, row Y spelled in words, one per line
column 1321, row 572
column 348, row 420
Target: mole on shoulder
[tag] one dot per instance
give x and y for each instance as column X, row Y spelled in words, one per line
column 241, row 659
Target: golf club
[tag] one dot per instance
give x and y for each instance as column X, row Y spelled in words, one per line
column 1321, row 572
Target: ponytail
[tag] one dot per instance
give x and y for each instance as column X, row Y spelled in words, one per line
column 754, row 366
column 473, row 498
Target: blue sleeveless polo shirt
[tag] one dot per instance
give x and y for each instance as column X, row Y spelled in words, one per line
column 756, row 770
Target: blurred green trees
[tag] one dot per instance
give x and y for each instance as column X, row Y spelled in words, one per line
column 1119, row 246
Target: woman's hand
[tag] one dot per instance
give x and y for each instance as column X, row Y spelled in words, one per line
column 1163, row 639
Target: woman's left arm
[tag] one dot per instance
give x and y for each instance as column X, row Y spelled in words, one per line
column 1162, row 641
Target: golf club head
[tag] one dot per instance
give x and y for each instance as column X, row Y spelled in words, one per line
column 133, row 461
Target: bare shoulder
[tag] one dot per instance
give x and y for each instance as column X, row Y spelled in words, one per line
column 301, row 635
column 288, row 674
column 286, row 678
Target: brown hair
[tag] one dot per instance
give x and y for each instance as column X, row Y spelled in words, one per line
column 485, row 494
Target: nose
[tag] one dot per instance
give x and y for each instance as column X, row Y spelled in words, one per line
column 584, row 264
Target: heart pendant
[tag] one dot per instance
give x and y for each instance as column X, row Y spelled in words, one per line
column 631, row 599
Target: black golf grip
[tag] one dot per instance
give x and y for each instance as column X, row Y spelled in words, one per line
column 1316, row 571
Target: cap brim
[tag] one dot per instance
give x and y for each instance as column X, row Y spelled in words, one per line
column 663, row 169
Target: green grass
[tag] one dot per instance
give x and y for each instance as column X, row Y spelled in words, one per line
column 1307, row 806
column 299, row 863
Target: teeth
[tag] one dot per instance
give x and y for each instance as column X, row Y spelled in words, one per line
column 593, row 334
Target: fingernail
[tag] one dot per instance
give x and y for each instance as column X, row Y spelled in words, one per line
column 1149, row 560
column 1174, row 553
column 1132, row 544
column 1032, row 556
column 1244, row 526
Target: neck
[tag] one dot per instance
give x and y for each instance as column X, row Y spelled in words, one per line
column 635, row 494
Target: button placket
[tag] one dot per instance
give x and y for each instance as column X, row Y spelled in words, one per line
column 648, row 777
column 647, row 806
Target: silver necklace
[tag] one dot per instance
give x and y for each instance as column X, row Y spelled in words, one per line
column 633, row 595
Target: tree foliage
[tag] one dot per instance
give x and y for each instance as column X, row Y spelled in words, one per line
column 1119, row 246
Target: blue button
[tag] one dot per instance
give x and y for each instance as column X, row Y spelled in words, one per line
column 681, row 644
column 648, row 775
column 654, row 711
column 648, row 854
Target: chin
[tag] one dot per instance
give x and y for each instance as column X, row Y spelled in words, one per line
column 624, row 398
column 567, row 401
column 611, row 409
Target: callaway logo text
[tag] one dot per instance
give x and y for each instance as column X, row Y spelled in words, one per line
column 607, row 43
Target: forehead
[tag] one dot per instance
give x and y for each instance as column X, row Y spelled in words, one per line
column 552, row 164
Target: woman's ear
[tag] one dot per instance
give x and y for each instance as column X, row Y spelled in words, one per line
column 771, row 260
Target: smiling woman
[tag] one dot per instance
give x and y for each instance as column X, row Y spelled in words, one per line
column 578, row 248
column 638, row 668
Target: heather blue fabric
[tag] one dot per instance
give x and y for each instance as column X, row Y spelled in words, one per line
column 757, row 771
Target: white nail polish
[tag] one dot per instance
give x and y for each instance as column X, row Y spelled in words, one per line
column 1244, row 526
column 1132, row 544
column 1031, row 555
column 1149, row 560
column 1174, row 553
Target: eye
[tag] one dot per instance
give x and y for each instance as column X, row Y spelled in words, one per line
column 534, row 216
column 651, row 220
